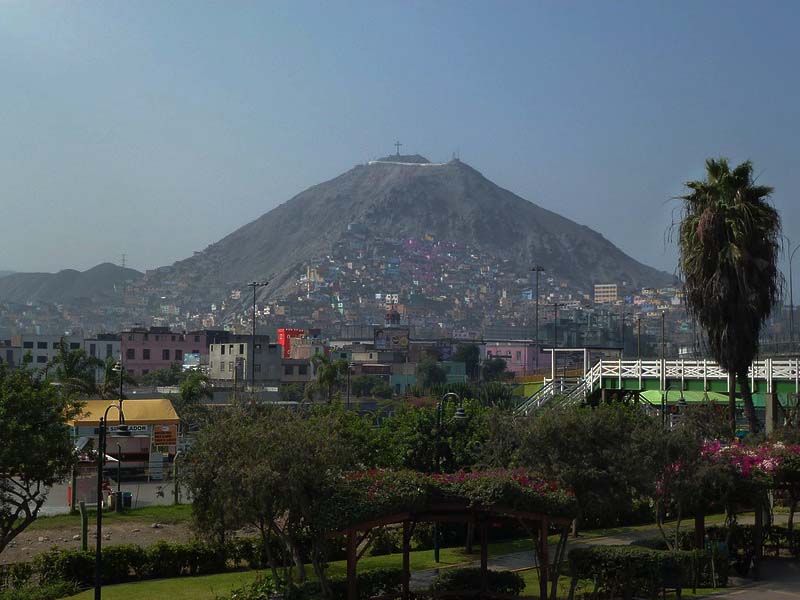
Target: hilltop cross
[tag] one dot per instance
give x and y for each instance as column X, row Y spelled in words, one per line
column 397, row 145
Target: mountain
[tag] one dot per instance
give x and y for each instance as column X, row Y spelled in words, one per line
column 4, row 273
column 401, row 197
column 69, row 284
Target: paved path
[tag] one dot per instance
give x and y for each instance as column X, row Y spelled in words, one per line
column 780, row 580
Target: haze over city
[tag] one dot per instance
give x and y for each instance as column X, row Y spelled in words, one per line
column 155, row 129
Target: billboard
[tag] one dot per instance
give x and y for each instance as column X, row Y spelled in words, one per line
column 394, row 338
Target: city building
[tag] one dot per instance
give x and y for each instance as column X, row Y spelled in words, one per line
column 605, row 292
column 231, row 360
column 44, row 348
column 145, row 350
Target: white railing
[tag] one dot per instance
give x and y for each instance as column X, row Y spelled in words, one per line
column 576, row 390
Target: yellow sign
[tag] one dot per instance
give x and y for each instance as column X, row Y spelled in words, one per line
column 165, row 435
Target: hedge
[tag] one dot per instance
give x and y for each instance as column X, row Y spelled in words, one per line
column 634, row 570
column 370, row 583
column 469, row 580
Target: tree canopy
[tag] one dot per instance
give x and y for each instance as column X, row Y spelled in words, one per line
column 728, row 240
column 36, row 449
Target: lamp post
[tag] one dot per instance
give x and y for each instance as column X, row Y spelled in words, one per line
column 663, row 335
column 459, row 415
column 122, row 430
column 349, row 370
column 791, row 294
column 255, row 285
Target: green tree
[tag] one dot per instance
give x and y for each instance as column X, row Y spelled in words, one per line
column 36, row 449
column 75, row 370
column 430, row 373
column 329, row 373
column 195, row 388
column 470, row 355
column 603, row 454
column 494, row 369
column 728, row 240
column 172, row 375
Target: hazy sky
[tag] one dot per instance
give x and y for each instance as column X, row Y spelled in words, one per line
column 156, row 128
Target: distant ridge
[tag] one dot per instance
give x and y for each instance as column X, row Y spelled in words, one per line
column 391, row 198
column 69, row 284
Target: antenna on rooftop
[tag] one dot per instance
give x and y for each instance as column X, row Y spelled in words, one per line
column 124, row 261
column 397, row 145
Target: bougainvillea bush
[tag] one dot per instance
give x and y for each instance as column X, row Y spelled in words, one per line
column 767, row 464
column 368, row 495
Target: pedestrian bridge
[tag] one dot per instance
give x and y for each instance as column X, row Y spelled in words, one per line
column 631, row 377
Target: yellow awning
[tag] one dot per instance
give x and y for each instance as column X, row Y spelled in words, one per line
column 152, row 411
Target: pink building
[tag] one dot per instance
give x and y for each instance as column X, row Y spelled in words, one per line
column 521, row 358
column 146, row 350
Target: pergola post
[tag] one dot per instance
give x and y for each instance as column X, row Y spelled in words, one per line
column 352, row 559
column 699, row 530
column 758, row 540
column 484, row 559
column 544, row 560
column 406, row 560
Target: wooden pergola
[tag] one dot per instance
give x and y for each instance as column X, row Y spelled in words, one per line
column 358, row 537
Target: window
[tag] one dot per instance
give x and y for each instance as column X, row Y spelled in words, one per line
column 43, row 345
column 256, row 367
column 146, row 354
column 230, row 366
column 74, row 345
column 92, row 349
column 56, row 345
column 258, row 348
column 178, row 354
column 41, row 359
column 165, row 354
column 241, row 348
column 145, row 371
column 130, row 354
column 302, row 369
column 197, row 338
column 173, row 338
column 146, row 337
column 130, row 338
column 109, row 350
column 519, row 355
column 222, row 348
column 288, row 370
column 195, row 351
column 27, row 344
column 157, row 338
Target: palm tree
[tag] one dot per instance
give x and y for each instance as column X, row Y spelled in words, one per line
column 75, row 370
column 729, row 248
column 188, row 403
column 110, row 387
column 328, row 372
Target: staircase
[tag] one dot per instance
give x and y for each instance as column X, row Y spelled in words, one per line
column 558, row 388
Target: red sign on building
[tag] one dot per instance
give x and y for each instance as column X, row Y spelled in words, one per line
column 285, row 339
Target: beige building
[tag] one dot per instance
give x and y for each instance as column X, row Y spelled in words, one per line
column 231, row 361
column 605, row 292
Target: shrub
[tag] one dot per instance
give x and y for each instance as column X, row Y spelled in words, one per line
column 469, row 580
column 386, row 540
column 370, row 583
column 165, row 560
column 56, row 566
column 123, row 563
column 50, row 591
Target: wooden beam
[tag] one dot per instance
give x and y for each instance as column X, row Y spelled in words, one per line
column 352, row 560
column 544, row 561
column 406, row 560
column 484, row 558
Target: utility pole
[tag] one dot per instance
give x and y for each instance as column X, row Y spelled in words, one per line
column 639, row 338
column 537, row 269
column 663, row 334
column 791, row 296
column 255, row 285
column 622, row 332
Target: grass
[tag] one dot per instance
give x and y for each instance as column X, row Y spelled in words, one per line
column 169, row 515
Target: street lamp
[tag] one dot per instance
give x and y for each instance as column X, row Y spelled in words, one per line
column 255, row 285
column 349, row 369
column 122, row 430
column 791, row 294
column 459, row 415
